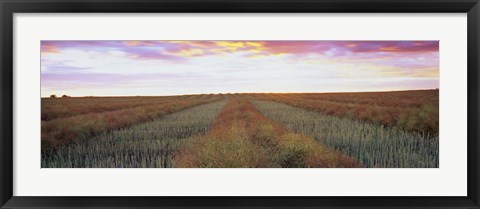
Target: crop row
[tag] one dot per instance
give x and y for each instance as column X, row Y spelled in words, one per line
column 241, row 137
column 64, row 131
column 53, row 108
column 372, row 144
column 424, row 118
column 403, row 99
column 147, row 145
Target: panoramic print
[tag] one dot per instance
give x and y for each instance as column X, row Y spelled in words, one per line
column 239, row 104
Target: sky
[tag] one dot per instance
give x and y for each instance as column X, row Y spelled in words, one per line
column 156, row 68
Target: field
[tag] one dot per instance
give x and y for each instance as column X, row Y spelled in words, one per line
column 409, row 110
column 91, row 121
column 271, row 130
column 149, row 144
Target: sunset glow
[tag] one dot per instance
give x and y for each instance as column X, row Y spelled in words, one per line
column 147, row 68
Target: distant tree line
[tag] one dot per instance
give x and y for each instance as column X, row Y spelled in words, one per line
column 55, row 96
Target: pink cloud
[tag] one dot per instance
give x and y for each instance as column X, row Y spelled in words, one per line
column 181, row 50
column 344, row 47
column 407, row 58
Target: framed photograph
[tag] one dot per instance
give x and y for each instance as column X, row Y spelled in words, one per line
column 239, row 104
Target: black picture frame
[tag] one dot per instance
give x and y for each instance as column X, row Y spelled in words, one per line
column 10, row 7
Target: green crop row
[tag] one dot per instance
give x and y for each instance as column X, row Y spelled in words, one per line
column 372, row 144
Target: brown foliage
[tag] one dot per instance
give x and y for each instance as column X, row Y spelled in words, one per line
column 72, row 106
column 67, row 130
column 409, row 110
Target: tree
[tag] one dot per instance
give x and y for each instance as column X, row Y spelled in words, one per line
column 65, row 96
column 53, row 96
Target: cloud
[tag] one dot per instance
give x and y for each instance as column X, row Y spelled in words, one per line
column 176, row 67
column 181, row 50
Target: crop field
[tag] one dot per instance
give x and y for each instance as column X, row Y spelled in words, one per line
column 409, row 110
column 241, row 137
column 272, row 130
column 146, row 145
column 66, row 107
column 371, row 144
column 67, row 130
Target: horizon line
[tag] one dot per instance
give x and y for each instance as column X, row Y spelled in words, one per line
column 377, row 91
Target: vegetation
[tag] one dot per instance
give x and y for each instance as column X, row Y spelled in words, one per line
column 68, row 130
column 241, row 137
column 410, row 110
column 297, row 130
column 147, row 145
column 72, row 106
column 372, row 144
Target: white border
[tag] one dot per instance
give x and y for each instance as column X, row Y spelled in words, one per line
column 449, row 180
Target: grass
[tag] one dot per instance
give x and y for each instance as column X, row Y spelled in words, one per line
column 147, row 145
column 372, row 144
column 409, row 110
column 69, row 130
column 241, row 137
